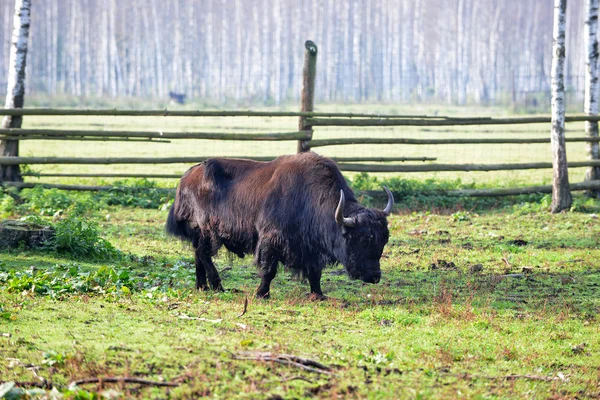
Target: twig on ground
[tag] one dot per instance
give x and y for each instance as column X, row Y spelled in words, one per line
column 121, row 379
column 287, row 359
column 43, row 385
column 225, row 269
column 515, row 376
column 245, row 307
column 510, row 276
column 296, row 378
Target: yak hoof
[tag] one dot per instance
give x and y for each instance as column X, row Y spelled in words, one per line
column 263, row 296
column 317, row 297
column 217, row 288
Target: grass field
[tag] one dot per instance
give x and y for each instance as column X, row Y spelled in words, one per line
column 500, row 304
column 476, row 301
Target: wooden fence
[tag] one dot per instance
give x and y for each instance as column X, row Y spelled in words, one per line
column 304, row 135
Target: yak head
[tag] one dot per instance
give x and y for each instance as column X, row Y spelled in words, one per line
column 365, row 234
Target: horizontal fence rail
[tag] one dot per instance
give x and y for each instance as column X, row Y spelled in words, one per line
column 363, row 140
column 20, row 134
column 442, row 122
column 458, row 167
column 85, row 139
column 205, row 113
column 342, row 163
column 588, row 185
column 175, row 160
column 314, row 117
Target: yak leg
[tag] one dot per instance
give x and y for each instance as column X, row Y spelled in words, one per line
column 314, row 279
column 200, row 270
column 267, row 271
column 214, row 280
column 204, row 268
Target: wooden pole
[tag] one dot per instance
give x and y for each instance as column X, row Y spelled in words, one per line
column 156, row 134
column 442, row 122
column 561, row 195
column 308, row 92
column 15, row 93
column 203, row 113
column 30, row 185
column 101, row 175
column 456, row 167
column 176, row 160
column 84, row 139
column 589, row 185
column 449, row 121
column 344, row 166
column 349, row 141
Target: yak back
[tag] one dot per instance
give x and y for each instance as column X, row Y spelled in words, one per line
column 290, row 201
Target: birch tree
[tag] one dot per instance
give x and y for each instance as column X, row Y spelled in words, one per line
column 15, row 91
column 590, row 106
column 561, row 194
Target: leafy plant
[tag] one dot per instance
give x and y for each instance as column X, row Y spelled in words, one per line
column 81, row 238
column 136, row 193
column 54, row 201
column 7, row 206
column 53, row 358
column 461, row 216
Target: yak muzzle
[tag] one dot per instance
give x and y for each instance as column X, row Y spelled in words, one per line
column 371, row 278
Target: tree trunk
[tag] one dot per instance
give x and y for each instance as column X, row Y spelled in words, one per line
column 591, row 86
column 15, row 92
column 561, row 195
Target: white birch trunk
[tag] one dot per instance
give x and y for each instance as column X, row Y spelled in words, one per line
column 561, row 194
column 590, row 106
column 15, row 90
column 159, row 54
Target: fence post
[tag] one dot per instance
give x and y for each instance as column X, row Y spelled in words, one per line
column 308, row 92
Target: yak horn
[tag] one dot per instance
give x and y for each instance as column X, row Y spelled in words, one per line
column 388, row 208
column 339, row 213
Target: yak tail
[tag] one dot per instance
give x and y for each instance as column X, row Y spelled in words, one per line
column 180, row 229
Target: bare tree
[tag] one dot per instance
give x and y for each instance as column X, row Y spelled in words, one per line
column 561, row 194
column 15, row 93
column 590, row 106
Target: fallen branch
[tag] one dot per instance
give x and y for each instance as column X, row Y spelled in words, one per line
column 287, row 359
column 121, row 379
column 43, row 385
column 511, row 276
column 515, row 376
column 296, row 378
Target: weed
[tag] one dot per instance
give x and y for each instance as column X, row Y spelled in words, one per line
column 136, row 193
column 81, row 238
column 54, row 201
column 54, row 358
column 7, row 206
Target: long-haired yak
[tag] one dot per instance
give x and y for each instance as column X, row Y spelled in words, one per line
column 296, row 210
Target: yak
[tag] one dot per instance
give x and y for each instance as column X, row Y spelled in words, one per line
column 296, row 210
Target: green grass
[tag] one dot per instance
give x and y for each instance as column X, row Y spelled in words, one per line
column 448, row 320
column 480, row 298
